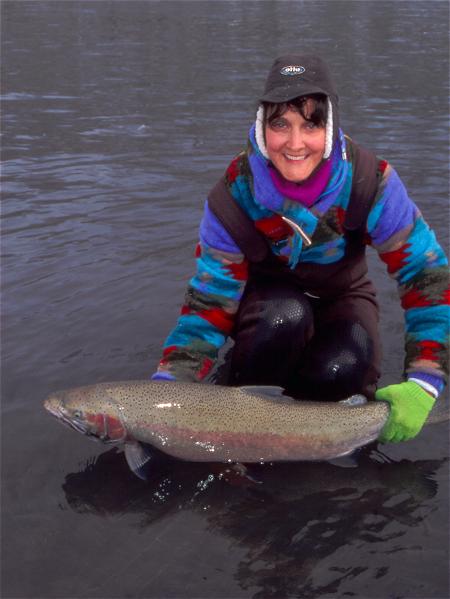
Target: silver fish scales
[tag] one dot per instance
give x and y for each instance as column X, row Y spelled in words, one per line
column 204, row 422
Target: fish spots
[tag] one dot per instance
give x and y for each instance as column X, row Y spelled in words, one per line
column 203, row 422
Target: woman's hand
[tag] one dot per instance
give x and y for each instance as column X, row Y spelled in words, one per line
column 410, row 406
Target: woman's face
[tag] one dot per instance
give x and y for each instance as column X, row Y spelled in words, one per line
column 294, row 145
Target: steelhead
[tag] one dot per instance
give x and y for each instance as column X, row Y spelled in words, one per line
column 213, row 423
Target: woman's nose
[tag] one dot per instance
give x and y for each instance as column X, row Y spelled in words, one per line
column 296, row 139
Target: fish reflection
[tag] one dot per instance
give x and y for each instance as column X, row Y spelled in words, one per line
column 107, row 487
column 296, row 519
column 312, row 529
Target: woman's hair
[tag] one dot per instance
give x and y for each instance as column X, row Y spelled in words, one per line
column 318, row 116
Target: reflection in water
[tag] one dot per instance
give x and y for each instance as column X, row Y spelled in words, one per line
column 316, row 511
column 292, row 523
column 108, row 487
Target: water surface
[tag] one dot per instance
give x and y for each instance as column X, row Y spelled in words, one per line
column 118, row 117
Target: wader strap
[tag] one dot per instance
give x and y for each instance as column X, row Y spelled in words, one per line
column 238, row 224
column 255, row 246
column 364, row 187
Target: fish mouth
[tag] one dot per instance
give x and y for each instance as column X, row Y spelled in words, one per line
column 59, row 413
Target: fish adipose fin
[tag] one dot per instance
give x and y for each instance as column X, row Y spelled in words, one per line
column 138, row 457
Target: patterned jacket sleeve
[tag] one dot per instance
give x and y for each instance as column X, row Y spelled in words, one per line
column 211, row 301
column 408, row 247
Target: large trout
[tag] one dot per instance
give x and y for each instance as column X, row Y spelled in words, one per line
column 203, row 422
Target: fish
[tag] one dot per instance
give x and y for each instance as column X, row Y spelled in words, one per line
column 216, row 423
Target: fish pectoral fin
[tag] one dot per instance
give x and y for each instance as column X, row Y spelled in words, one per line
column 138, row 456
column 267, row 390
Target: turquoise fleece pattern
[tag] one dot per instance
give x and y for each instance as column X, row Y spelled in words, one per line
column 395, row 228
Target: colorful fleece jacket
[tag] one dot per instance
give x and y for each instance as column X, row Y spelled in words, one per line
column 395, row 228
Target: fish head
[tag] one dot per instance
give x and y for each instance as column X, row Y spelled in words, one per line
column 89, row 412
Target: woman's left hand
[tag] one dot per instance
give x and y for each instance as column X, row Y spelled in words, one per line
column 410, row 406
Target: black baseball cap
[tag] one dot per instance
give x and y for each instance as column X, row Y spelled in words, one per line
column 295, row 75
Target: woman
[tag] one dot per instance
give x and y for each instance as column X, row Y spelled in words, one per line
column 281, row 266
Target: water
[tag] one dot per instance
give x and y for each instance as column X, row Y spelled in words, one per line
column 118, row 117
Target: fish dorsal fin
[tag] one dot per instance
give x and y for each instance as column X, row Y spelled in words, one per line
column 264, row 390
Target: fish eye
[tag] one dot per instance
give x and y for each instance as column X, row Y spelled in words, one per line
column 77, row 414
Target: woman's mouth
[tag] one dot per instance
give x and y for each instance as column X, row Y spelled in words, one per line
column 295, row 158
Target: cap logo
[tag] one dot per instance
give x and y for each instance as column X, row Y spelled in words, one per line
column 292, row 70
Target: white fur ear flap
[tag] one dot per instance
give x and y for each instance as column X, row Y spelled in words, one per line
column 259, row 132
column 329, row 132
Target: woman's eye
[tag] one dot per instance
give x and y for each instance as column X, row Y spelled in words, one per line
column 278, row 124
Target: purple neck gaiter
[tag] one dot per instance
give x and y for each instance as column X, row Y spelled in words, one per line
column 307, row 192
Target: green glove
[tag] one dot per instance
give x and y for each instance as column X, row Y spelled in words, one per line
column 410, row 406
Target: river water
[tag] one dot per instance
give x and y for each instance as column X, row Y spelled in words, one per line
column 118, row 117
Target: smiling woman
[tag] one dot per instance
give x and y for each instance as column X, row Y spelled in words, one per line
column 301, row 310
column 295, row 142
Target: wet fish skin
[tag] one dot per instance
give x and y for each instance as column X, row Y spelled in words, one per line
column 213, row 423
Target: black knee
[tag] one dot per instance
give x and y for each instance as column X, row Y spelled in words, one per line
column 274, row 324
column 338, row 362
